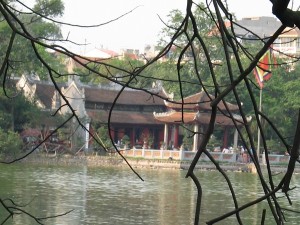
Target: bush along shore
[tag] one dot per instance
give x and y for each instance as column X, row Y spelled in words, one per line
column 117, row 161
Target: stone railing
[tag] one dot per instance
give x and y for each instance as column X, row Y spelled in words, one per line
column 189, row 155
column 278, row 158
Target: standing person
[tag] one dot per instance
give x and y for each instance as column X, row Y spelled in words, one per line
column 244, row 155
column 251, row 154
column 242, row 150
column 225, row 150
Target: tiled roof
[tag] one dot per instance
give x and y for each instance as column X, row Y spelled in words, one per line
column 176, row 117
column 123, row 117
column 199, row 101
column 131, row 56
column 290, row 32
column 30, row 132
column 194, row 117
column 128, row 97
column 45, row 92
column 215, row 31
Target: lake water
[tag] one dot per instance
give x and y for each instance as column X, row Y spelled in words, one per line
column 116, row 196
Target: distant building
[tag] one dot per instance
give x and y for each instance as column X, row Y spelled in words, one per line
column 261, row 26
column 133, row 54
column 100, row 53
column 287, row 44
column 132, row 114
column 150, row 51
column 195, row 110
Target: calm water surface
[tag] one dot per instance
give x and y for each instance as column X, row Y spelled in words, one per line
column 116, row 196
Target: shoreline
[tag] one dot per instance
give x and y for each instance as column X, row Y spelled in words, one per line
column 117, row 161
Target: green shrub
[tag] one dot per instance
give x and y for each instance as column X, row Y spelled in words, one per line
column 275, row 147
column 103, row 137
column 10, row 143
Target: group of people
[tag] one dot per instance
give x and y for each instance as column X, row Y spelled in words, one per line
column 228, row 150
column 242, row 154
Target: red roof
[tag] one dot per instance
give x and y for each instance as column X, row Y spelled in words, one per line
column 290, row 32
column 216, row 30
column 194, row 117
column 131, row 56
column 30, row 132
column 199, row 101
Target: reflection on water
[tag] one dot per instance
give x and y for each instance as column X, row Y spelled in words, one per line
column 116, row 196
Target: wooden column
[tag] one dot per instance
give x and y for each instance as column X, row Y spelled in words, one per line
column 132, row 137
column 225, row 138
column 112, row 133
column 235, row 140
column 166, row 131
column 176, row 135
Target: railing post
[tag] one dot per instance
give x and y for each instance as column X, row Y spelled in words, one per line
column 181, row 154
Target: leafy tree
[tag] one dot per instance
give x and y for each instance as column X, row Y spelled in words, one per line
column 10, row 143
column 103, row 137
column 16, row 111
column 36, row 23
column 189, row 61
column 280, row 102
column 109, row 71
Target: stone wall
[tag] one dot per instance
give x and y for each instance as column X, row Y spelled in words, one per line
column 189, row 155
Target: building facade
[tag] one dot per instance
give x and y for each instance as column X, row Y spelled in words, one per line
column 287, row 43
column 151, row 118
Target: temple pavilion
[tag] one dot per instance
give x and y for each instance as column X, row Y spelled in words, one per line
column 195, row 110
column 133, row 111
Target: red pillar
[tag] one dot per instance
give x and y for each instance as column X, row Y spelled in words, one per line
column 176, row 135
column 112, row 133
column 225, row 138
column 132, row 137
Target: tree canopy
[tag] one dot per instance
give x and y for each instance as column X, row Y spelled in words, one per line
column 32, row 24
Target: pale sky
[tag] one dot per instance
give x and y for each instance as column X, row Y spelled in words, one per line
column 138, row 28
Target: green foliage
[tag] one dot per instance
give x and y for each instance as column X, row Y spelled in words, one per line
column 109, row 70
column 23, row 58
column 187, row 140
column 193, row 69
column 5, row 119
column 175, row 18
column 281, row 101
column 213, row 143
column 10, row 143
column 49, row 8
column 103, row 136
column 275, row 147
column 16, row 111
column 125, row 139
